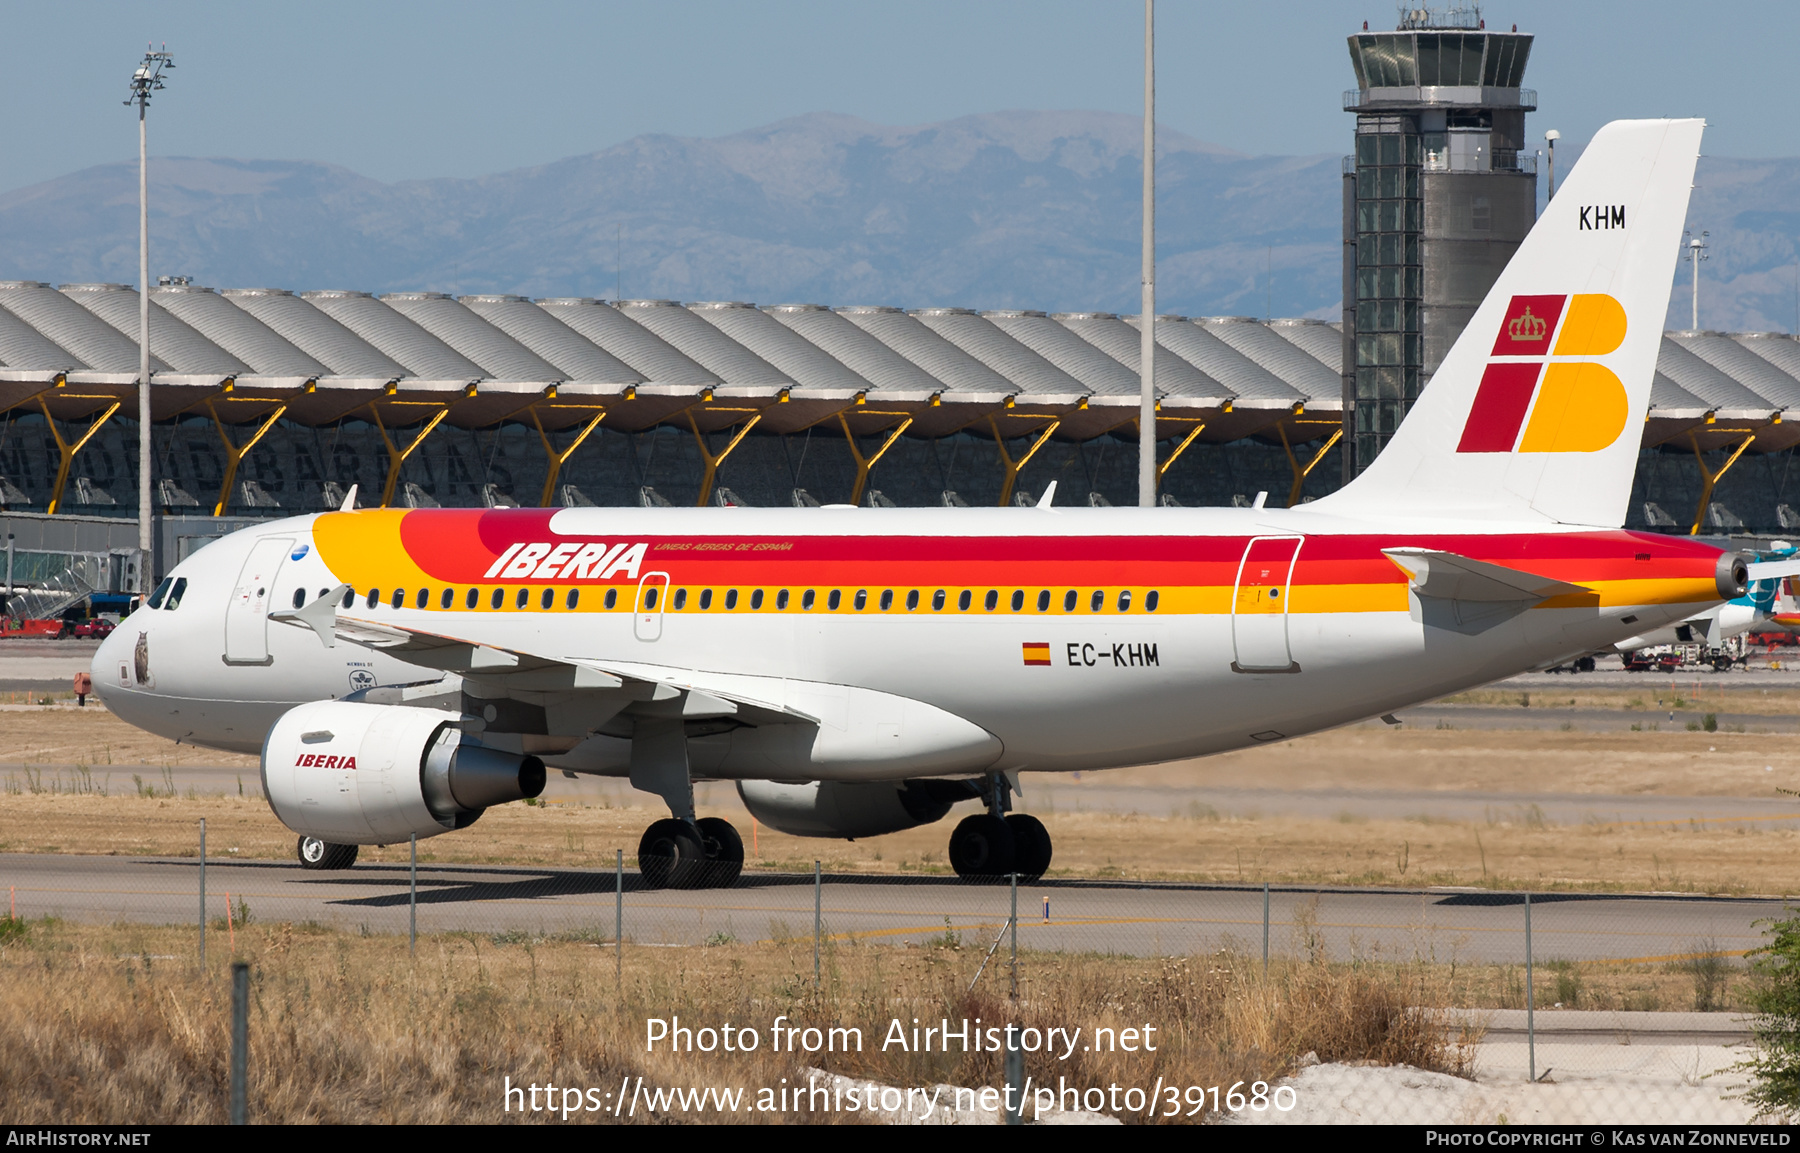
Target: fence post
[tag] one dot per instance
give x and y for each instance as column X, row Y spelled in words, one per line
column 619, row 918
column 1265, row 928
column 818, row 917
column 1013, row 925
column 412, row 926
column 240, row 1039
column 1530, row 1000
column 1015, row 1079
column 202, row 894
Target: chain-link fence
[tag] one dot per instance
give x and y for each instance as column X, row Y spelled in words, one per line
column 1551, row 1006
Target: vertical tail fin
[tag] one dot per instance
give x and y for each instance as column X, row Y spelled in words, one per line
column 1537, row 410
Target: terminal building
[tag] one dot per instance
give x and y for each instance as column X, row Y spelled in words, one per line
column 268, row 402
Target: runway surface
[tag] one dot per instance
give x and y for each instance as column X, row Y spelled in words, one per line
column 1084, row 916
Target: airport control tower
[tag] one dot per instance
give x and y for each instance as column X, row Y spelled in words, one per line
column 1437, row 197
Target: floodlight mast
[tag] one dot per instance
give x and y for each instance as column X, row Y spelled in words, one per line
column 145, row 81
column 1696, row 252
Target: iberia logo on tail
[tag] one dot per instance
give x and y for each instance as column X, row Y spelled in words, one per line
column 1534, row 396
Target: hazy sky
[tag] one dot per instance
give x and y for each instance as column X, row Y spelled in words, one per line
column 403, row 90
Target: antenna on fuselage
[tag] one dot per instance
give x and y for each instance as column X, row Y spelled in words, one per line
column 349, row 504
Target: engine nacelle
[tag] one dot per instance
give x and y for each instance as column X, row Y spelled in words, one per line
column 356, row 774
column 850, row 809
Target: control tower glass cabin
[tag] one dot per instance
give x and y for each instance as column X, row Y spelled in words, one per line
column 1437, row 197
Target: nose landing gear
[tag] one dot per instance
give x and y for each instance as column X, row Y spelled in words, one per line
column 988, row 846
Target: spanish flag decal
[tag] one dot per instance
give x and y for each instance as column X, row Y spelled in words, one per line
column 1037, row 653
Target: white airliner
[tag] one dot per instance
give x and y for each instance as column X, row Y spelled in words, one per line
column 856, row 671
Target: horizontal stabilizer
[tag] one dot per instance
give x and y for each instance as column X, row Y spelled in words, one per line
column 1452, row 577
column 1766, row 570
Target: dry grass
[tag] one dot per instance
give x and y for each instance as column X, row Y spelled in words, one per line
column 65, row 735
column 1705, row 692
column 1515, row 847
column 114, row 1025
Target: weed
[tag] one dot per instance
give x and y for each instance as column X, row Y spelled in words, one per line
column 1710, row 969
column 1710, row 722
column 1568, row 982
column 720, row 938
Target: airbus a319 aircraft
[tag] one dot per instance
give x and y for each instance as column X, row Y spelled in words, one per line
column 857, row 671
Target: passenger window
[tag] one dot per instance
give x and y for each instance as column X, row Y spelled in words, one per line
column 573, row 599
column 1099, row 601
column 705, row 599
column 162, row 590
column 650, row 597
column 323, row 593
column 374, row 598
column 1125, row 600
column 937, row 601
column 680, row 599
column 962, row 602
column 1150, row 601
column 1069, row 601
column 806, row 599
column 498, row 600
column 1044, row 601
column 781, row 599
column 175, row 594
column 548, row 598
column 731, row 598
column 612, row 597
column 862, row 600
column 349, row 597
column 887, row 599
column 1018, row 599
column 423, row 598
column 912, row 600
column 447, row 598
column 993, row 599
column 299, row 597
column 522, row 599
column 472, row 598
column 756, row 599
column 399, row 600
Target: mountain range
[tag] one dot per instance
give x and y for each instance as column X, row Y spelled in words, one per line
column 1005, row 210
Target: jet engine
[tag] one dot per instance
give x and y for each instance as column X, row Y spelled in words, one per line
column 851, row 809
column 1731, row 575
column 357, row 774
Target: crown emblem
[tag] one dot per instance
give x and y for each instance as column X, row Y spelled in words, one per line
column 1526, row 327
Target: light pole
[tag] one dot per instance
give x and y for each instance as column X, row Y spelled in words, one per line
column 145, row 81
column 1550, row 139
column 1696, row 252
column 1147, row 315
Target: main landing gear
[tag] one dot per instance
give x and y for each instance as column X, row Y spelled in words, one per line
column 682, row 851
column 690, row 854
column 989, row 846
column 319, row 854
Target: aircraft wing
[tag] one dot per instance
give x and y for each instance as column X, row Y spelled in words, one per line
column 1453, row 577
column 529, row 675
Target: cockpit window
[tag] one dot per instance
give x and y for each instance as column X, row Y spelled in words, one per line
column 175, row 594
column 162, row 590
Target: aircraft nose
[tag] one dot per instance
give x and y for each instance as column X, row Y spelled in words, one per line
column 111, row 668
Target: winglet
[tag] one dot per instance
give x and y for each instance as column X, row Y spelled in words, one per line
column 321, row 615
column 1049, row 495
column 349, row 504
